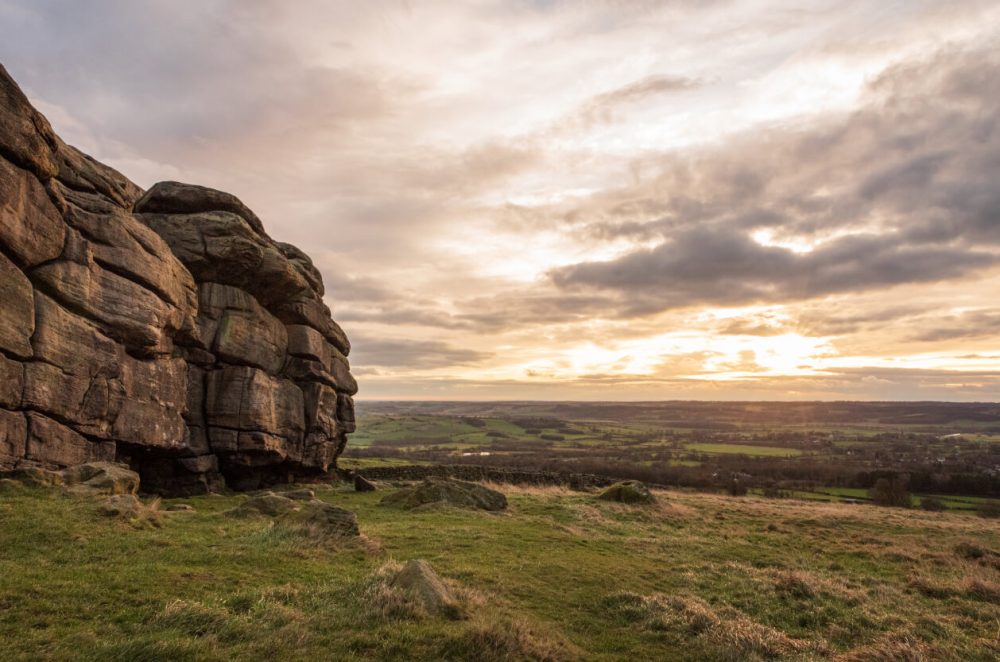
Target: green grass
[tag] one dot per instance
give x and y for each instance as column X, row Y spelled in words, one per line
column 833, row 494
column 559, row 575
column 741, row 449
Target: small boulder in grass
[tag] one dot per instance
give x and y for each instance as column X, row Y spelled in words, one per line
column 121, row 505
column 425, row 587
column 321, row 520
column 130, row 508
column 446, row 491
column 628, row 491
column 362, row 484
column 268, row 504
column 100, row 478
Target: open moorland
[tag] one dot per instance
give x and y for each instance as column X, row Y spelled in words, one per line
column 557, row 576
column 816, row 450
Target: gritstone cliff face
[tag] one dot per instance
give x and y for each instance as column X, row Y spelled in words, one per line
column 164, row 328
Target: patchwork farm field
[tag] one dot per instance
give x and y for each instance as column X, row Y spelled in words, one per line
column 820, row 451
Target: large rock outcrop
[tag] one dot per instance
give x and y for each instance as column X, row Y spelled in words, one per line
column 163, row 328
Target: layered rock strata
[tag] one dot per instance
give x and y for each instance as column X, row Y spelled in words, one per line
column 163, row 328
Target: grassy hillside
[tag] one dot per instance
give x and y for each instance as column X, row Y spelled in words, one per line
column 558, row 576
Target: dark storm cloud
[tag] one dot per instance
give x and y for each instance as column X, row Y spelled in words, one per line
column 912, row 174
column 848, row 319
column 718, row 267
column 972, row 324
column 411, row 354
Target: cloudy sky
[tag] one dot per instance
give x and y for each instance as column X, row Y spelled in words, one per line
column 581, row 200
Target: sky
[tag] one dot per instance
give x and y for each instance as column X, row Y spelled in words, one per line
column 590, row 200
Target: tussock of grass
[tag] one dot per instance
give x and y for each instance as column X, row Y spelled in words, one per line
column 502, row 640
column 383, row 601
column 742, row 638
column 972, row 587
column 801, row 585
column 891, row 647
column 133, row 510
column 244, row 619
column 725, row 634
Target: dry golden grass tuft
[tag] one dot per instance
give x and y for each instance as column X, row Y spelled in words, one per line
column 725, row 634
column 891, row 647
column 383, row 601
column 531, row 490
column 741, row 638
column 499, row 639
column 800, row 584
column 130, row 508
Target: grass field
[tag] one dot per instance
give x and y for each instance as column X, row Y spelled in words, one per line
column 560, row 575
column 744, row 449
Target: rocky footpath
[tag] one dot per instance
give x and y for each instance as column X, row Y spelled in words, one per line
column 163, row 329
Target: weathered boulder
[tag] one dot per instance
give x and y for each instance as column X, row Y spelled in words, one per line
column 88, row 479
column 121, row 505
column 13, row 438
column 238, row 330
column 446, row 491
column 25, row 136
column 125, row 310
column 319, row 519
column 18, row 320
column 243, row 398
column 177, row 198
column 35, row 476
column 82, row 174
column 164, row 329
column 54, row 445
column 269, row 505
column 101, row 478
column 11, row 383
column 33, row 229
column 628, row 491
column 362, row 484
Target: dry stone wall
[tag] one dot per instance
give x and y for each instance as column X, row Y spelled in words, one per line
column 162, row 328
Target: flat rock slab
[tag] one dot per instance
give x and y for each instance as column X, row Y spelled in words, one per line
column 447, row 491
column 101, row 478
column 90, row 479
